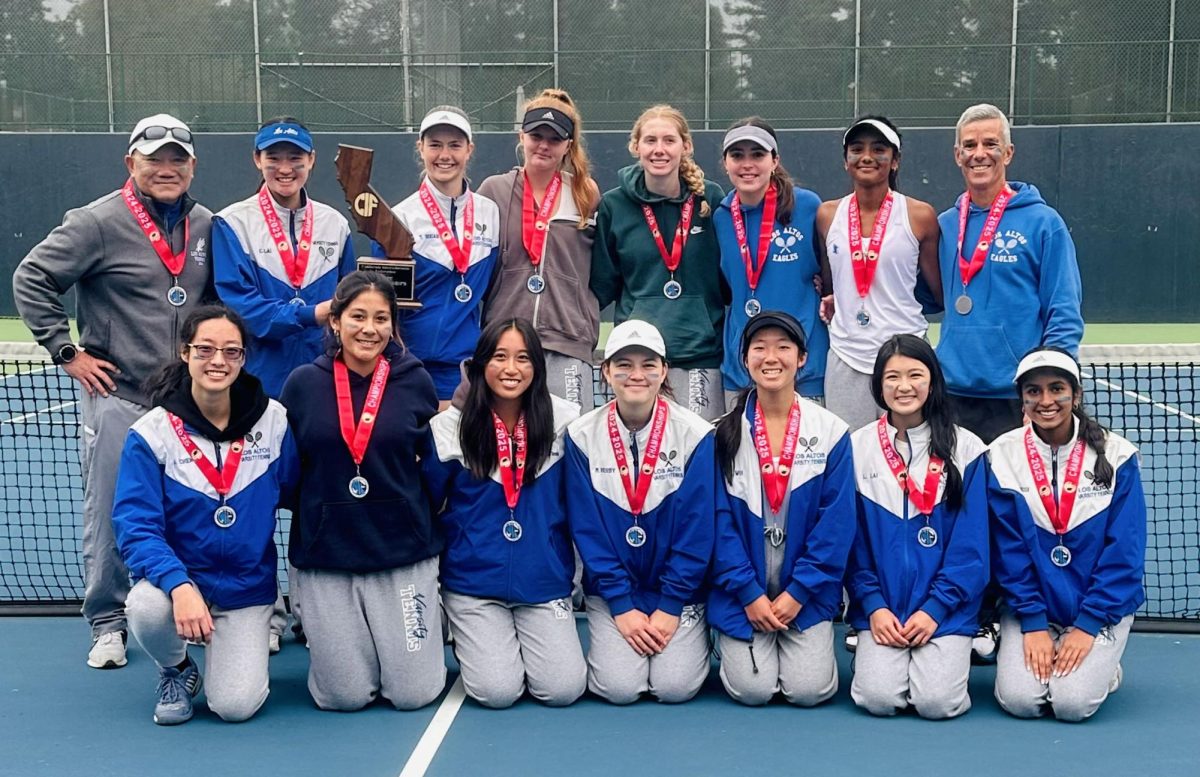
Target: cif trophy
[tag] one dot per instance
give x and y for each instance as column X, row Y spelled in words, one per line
column 376, row 220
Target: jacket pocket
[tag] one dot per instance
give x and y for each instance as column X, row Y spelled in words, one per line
column 368, row 536
column 983, row 358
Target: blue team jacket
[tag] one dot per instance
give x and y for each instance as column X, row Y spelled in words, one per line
column 820, row 526
column 888, row 567
column 1106, row 537
column 478, row 560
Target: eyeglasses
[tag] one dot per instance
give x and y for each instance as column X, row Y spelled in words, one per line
column 232, row 353
column 158, row 133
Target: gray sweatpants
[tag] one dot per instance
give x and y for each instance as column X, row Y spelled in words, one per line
column 235, row 661
column 571, row 379
column 799, row 663
column 105, row 422
column 699, row 390
column 932, row 678
column 504, row 648
column 1073, row 698
column 620, row 675
column 373, row 633
column 848, row 393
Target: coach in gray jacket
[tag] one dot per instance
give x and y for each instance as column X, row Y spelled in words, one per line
column 139, row 261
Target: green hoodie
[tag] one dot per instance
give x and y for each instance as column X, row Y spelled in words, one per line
column 627, row 269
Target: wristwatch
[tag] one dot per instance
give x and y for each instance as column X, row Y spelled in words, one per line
column 65, row 355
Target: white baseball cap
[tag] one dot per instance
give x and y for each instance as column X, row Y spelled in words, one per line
column 446, row 118
column 635, row 334
column 1047, row 358
column 153, row 132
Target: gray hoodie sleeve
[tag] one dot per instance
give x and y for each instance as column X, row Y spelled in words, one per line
column 50, row 270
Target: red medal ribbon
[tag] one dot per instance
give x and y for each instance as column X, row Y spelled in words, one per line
column 505, row 456
column 1060, row 513
column 221, row 480
column 864, row 265
column 755, row 264
column 671, row 258
column 775, row 479
column 968, row 269
column 357, row 437
column 172, row 261
column 534, row 230
column 658, row 425
column 294, row 264
column 925, row 499
column 460, row 251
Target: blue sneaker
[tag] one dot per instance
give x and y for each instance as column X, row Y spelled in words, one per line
column 176, row 687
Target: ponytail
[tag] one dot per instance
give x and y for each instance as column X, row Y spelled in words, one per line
column 693, row 177
column 689, row 172
column 729, row 435
column 583, row 189
column 165, row 382
column 1095, row 436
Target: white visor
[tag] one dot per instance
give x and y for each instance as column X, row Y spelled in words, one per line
column 1040, row 359
column 888, row 133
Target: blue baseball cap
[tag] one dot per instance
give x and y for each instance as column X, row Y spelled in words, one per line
column 283, row 132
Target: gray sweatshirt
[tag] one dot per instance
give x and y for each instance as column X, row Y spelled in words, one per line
column 121, row 286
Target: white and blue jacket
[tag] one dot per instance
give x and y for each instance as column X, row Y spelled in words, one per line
column 888, row 567
column 669, row 571
column 251, row 279
column 1027, row 294
column 1106, row 537
column 785, row 284
column 819, row 529
column 443, row 331
column 478, row 560
column 163, row 509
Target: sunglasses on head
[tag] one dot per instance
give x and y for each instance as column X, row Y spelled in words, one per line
column 158, row 133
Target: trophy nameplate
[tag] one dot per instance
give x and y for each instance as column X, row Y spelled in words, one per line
column 375, row 220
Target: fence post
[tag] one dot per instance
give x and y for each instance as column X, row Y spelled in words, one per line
column 258, row 113
column 556, row 84
column 1171, row 62
column 108, row 69
column 707, row 63
column 1012, row 65
column 857, row 54
column 406, row 59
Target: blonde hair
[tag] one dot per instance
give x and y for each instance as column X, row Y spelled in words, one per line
column 689, row 171
column 582, row 189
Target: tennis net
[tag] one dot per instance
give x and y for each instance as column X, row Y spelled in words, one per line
column 1145, row 393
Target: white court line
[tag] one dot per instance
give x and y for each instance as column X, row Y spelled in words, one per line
column 35, row 371
column 431, row 740
column 26, row 416
column 1146, row 399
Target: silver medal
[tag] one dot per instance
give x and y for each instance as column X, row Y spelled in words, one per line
column 225, row 516
column 927, row 536
column 536, row 284
column 359, row 486
column 753, row 307
column 963, row 304
column 636, row 536
column 775, row 535
column 462, row 292
column 672, row 289
column 863, row 318
column 177, row 295
column 296, row 301
column 512, row 531
column 1060, row 555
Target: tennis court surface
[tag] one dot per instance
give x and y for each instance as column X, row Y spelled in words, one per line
column 61, row 718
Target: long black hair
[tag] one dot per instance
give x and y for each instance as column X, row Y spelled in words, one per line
column 167, row 380
column 348, row 290
column 780, row 179
column 476, row 433
column 943, row 436
column 729, row 428
column 1090, row 429
column 893, row 175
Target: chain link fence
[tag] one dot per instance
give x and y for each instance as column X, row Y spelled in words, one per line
column 225, row 65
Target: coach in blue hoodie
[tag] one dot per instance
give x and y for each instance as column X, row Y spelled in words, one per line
column 1018, row 290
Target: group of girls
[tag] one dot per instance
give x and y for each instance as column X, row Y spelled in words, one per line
column 451, row 456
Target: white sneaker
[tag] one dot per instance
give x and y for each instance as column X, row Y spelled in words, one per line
column 985, row 643
column 851, row 640
column 108, row 651
column 1115, row 682
column 273, row 643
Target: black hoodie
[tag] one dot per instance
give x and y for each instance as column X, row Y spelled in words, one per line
column 392, row 525
column 247, row 403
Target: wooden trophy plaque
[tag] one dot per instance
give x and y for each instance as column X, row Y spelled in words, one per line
column 375, row 220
